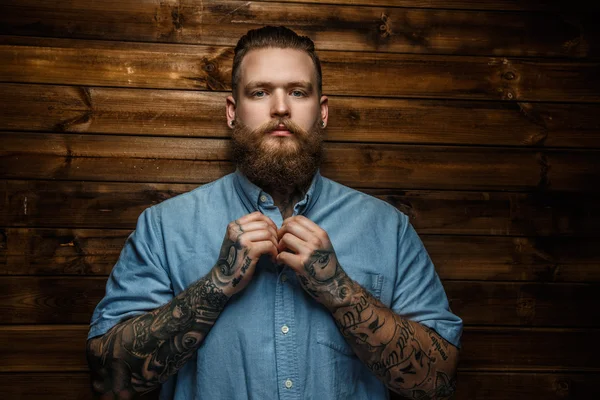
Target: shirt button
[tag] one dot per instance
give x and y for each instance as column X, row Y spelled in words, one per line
column 263, row 198
column 289, row 384
column 285, row 329
column 283, row 278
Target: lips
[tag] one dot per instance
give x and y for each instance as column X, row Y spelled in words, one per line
column 281, row 130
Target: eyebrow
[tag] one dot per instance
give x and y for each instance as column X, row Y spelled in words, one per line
column 303, row 84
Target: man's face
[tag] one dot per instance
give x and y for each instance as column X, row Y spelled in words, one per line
column 278, row 114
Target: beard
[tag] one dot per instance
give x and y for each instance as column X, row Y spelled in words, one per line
column 277, row 162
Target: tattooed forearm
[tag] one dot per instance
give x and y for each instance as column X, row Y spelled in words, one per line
column 139, row 354
column 410, row 358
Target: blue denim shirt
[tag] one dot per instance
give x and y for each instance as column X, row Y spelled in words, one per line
column 272, row 340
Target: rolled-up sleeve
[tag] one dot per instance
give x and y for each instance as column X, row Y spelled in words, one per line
column 139, row 281
column 418, row 293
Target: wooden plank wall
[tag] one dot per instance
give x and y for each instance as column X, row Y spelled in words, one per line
column 479, row 119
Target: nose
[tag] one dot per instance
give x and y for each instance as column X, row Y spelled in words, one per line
column 280, row 107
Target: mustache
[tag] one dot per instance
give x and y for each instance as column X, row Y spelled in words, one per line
column 290, row 125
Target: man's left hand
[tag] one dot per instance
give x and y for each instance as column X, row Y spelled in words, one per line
column 306, row 249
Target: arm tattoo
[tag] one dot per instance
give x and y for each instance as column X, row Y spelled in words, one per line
column 408, row 357
column 139, row 354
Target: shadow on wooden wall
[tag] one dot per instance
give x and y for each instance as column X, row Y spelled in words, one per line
column 478, row 119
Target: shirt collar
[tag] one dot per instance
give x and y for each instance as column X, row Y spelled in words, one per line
column 251, row 194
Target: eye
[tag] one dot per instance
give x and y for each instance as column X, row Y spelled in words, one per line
column 259, row 93
column 297, row 93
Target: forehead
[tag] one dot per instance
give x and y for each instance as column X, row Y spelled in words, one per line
column 277, row 66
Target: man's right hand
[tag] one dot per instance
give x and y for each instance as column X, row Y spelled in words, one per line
column 246, row 239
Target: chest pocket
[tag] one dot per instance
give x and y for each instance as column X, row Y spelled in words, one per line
column 328, row 334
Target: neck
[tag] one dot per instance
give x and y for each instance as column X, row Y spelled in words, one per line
column 285, row 198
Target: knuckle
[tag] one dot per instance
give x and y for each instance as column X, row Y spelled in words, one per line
column 316, row 242
column 243, row 240
column 304, row 259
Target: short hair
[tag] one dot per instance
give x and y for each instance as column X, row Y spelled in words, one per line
column 272, row 37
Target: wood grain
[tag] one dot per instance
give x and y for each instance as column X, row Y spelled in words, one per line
column 500, row 5
column 550, row 259
column 71, row 300
column 112, row 205
column 37, row 251
column 25, row 251
column 54, row 108
column 152, row 65
column 61, row 348
column 471, row 385
column 183, row 160
column 542, row 386
column 64, row 386
column 332, row 27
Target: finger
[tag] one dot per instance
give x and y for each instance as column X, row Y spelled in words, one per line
column 291, row 242
column 255, row 216
column 239, row 225
column 249, row 217
column 255, row 226
column 291, row 260
column 247, row 238
column 265, row 247
column 296, row 229
column 305, row 222
column 258, row 216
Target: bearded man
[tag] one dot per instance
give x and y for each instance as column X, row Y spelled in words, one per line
column 316, row 290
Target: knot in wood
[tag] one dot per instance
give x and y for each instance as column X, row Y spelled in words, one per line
column 509, row 76
column 209, row 67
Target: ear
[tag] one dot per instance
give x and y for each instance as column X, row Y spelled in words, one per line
column 230, row 110
column 324, row 109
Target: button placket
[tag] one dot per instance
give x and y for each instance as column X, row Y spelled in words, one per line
column 286, row 351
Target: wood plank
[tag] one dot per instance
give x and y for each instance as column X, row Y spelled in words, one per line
column 27, row 251
column 471, row 385
column 499, row 5
column 29, row 107
column 71, row 300
column 524, row 304
column 58, row 348
column 541, row 259
column 354, row 28
column 64, row 300
column 153, row 65
column 61, row 348
column 531, row 386
column 503, row 349
column 111, row 205
column 82, row 204
column 46, row 386
column 183, row 160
